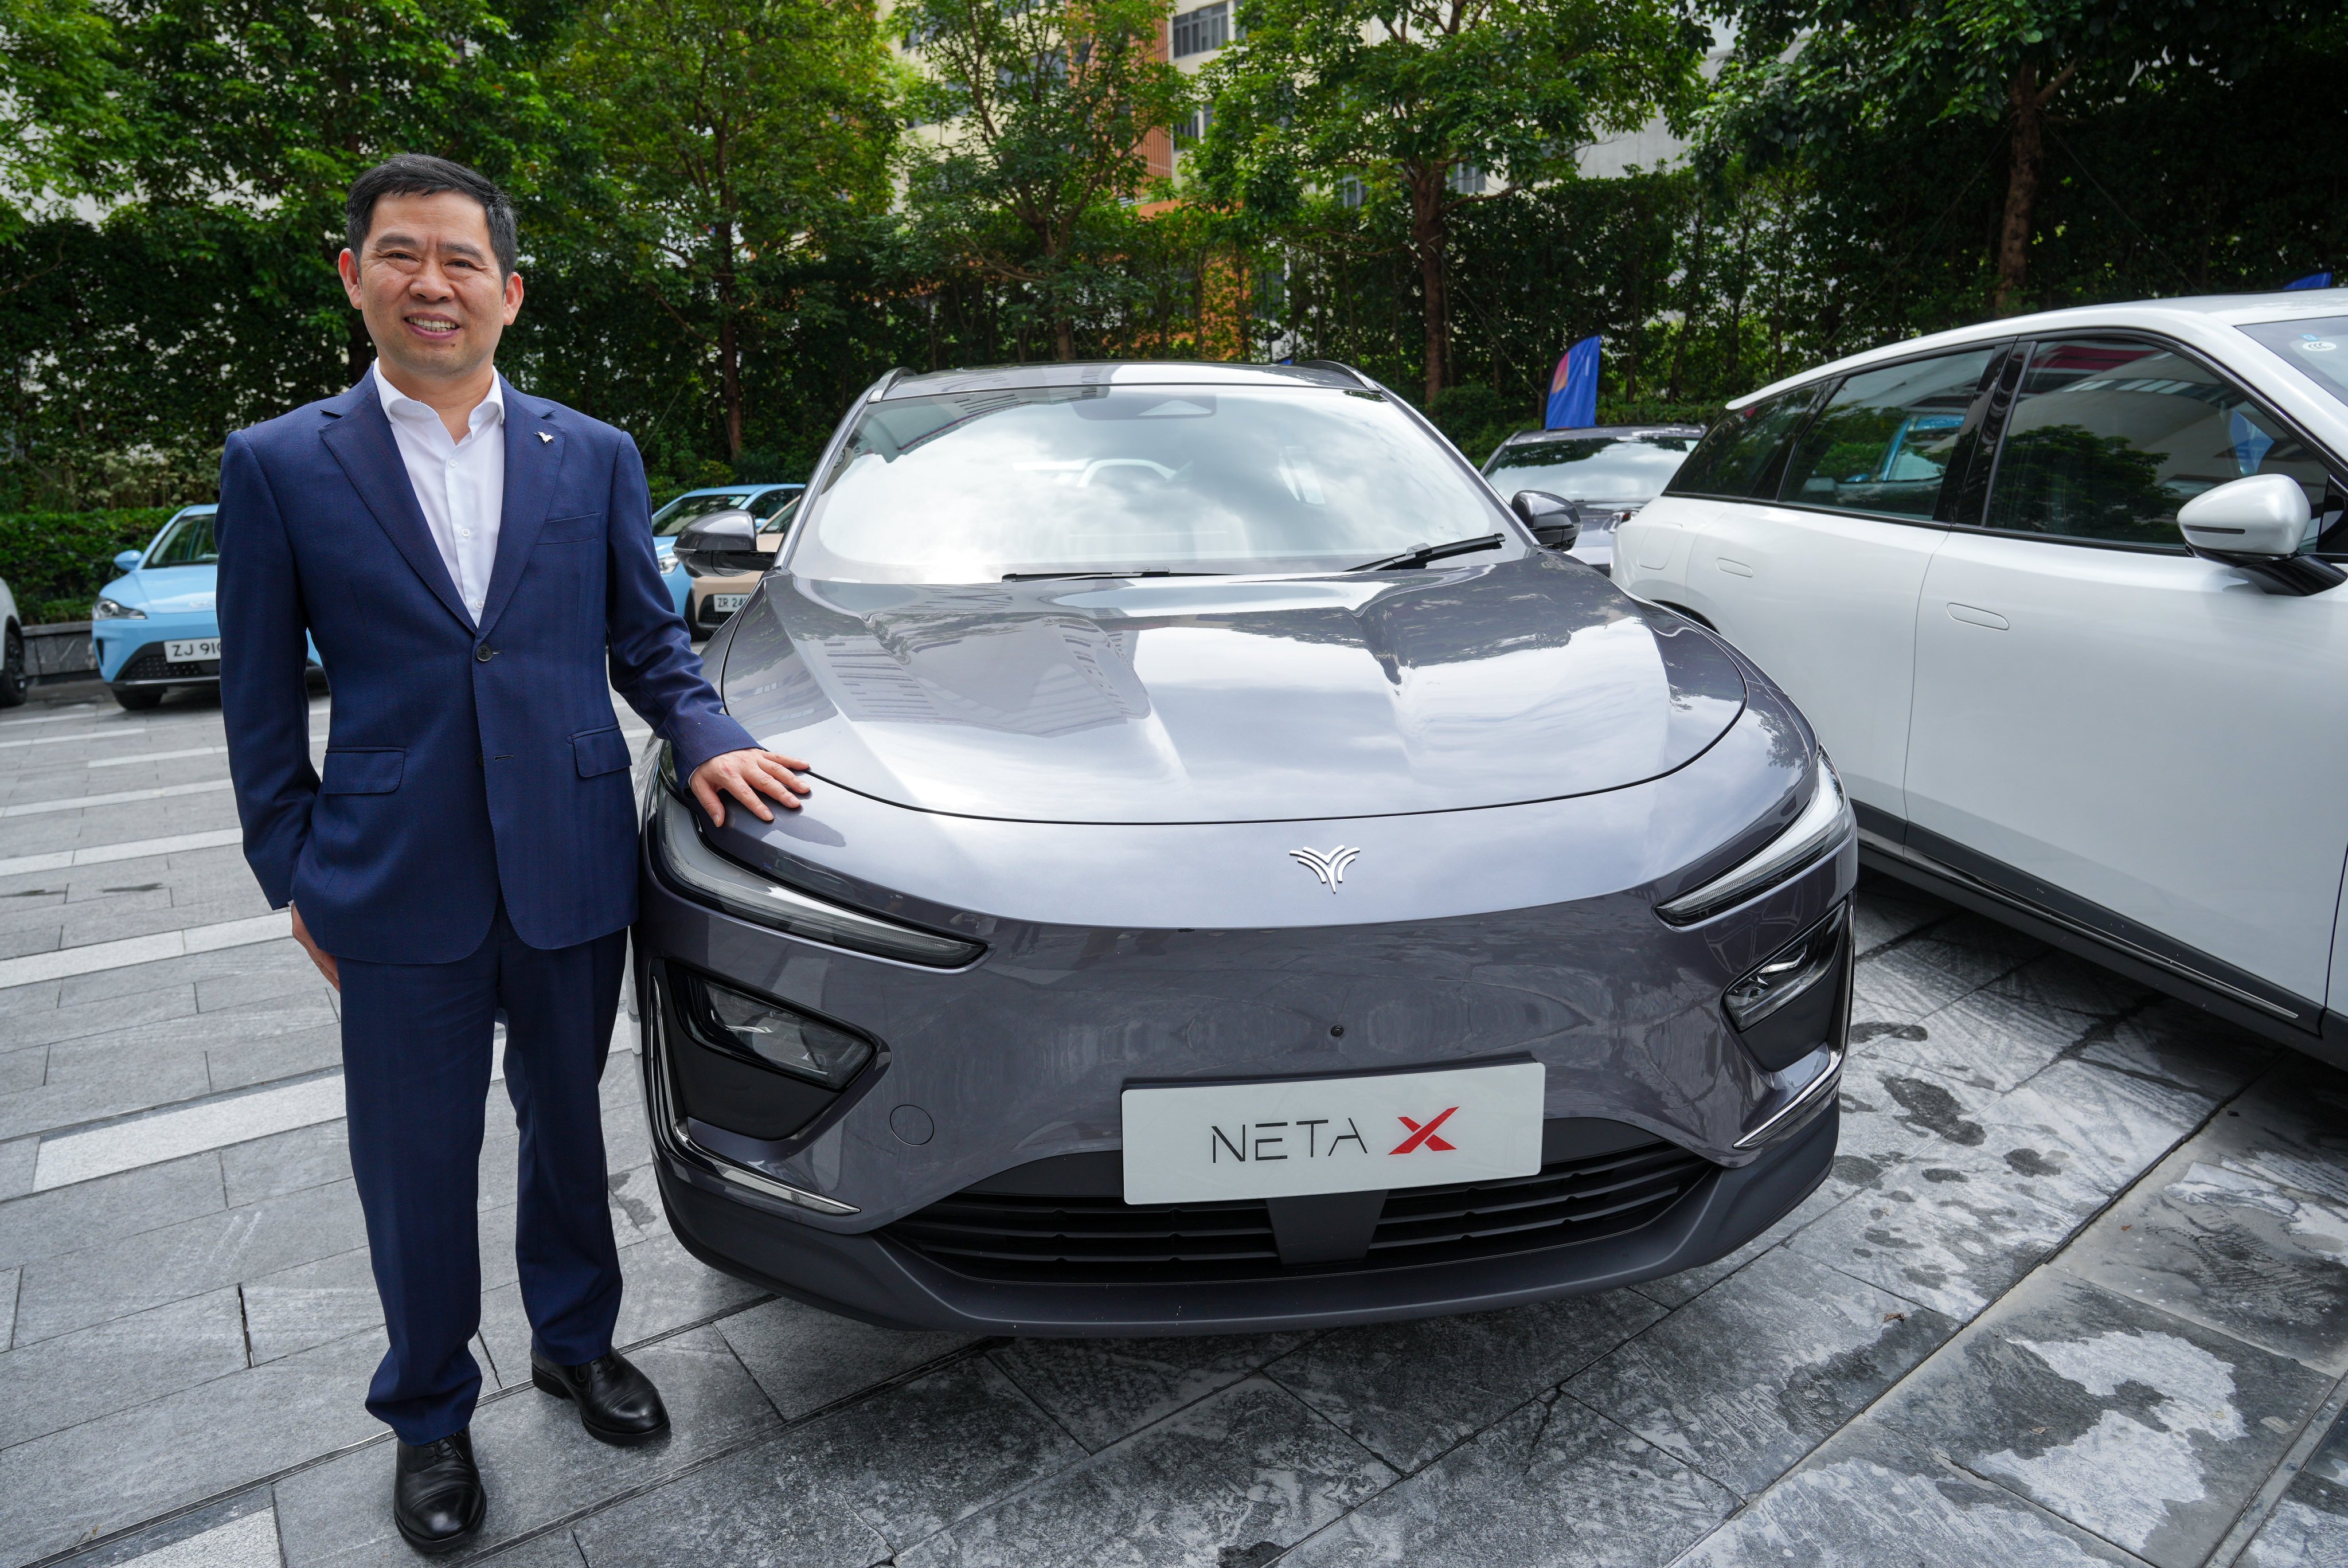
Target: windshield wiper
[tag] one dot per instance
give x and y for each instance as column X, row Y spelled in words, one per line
column 1152, row 572
column 1426, row 555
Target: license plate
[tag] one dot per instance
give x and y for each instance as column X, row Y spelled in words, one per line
column 1286, row 1138
column 188, row 650
column 726, row 604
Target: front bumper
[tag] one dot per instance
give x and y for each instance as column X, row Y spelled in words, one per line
column 880, row 1278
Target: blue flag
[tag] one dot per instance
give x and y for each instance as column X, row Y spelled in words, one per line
column 2312, row 280
column 1574, row 391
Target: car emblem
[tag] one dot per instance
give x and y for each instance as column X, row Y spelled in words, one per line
column 1328, row 865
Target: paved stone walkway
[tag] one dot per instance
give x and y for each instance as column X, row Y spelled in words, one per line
column 2077, row 1293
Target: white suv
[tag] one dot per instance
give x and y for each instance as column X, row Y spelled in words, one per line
column 2057, row 592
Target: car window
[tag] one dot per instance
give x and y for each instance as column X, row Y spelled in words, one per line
column 973, row 487
column 1885, row 440
column 2318, row 348
column 1744, row 455
column 2108, row 438
column 670, row 520
column 187, row 542
column 1599, row 467
column 774, row 506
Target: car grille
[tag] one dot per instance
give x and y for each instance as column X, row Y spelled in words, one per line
column 149, row 664
column 1105, row 1241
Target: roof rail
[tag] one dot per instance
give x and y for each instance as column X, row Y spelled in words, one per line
column 1338, row 364
column 888, row 380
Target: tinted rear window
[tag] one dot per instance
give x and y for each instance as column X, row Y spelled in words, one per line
column 1744, row 456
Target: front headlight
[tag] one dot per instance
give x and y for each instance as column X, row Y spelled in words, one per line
column 108, row 609
column 1818, row 832
column 700, row 871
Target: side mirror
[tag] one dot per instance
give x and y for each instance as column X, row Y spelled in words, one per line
column 2255, row 526
column 722, row 544
column 128, row 560
column 1555, row 521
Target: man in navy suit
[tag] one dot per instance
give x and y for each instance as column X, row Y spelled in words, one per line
column 477, row 568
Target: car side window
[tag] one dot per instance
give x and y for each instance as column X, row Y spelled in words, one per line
column 2109, row 437
column 775, row 507
column 1886, row 438
column 1743, row 456
column 190, row 543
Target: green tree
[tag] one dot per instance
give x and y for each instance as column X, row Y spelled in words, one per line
column 61, row 100
column 737, row 135
column 1810, row 75
column 1434, row 107
column 1038, row 112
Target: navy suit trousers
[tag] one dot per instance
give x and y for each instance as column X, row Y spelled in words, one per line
column 417, row 1047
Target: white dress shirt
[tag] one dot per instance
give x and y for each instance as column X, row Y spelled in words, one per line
column 459, row 485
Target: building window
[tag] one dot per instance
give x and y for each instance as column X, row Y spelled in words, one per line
column 1466, row 179
column 1191, row 129
column 1349, row 192
column 1208, row 27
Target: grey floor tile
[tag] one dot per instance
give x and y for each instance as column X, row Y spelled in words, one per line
column 76, row 1289
column 2148, row 1430
column 539, row 1465
column 2213, row 1236
column 310, row 1305
column 665, row 1288
column 1988, row 1041
column 2309, row 1528
column 1759, row 1370
column 759, row 1509
column 1406, row 1391
column 57, row 1383
column 91, row 1213
column 1886, row 912
column 1231, row 1478
column 265, row 1060
column 2072, row 984
column 8, row 1278
column 140, row 1078
column 1105, row 1389
column 636, row 1210
column 21, row 1070
column 2181, row 1044
column 2092, row 1131
column 276, row 970
column 194, row 1444
column 240, row 1532
column 914, row 1459
column 150, row 1005
column 1919, row 976
column 1866, row 1500
column 1552, row 1484
column 286, row 1162
column 806, row 1359
column 1893, row 1116
column 17, row 1158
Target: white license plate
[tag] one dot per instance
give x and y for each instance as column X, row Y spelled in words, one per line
column 1289, row 1137
column 188, row 650
column 726, row 604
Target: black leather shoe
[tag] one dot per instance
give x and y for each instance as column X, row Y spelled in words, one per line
column 617, row 1404
column 437, row 1499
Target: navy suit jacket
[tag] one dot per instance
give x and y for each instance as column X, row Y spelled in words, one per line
column 464, row 764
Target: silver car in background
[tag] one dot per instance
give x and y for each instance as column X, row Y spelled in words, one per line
column 1608, row 471
column 1251, row 881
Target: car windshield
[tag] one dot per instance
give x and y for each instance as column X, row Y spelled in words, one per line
column 766, row 505
column 2319, row 348
column 1599, row 467
column 185, row 540
column 978, row 486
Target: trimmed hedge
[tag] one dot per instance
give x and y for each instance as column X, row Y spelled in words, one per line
column 56, row 561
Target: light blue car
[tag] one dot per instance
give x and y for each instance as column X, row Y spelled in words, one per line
column 154, row 628
column 764, row 502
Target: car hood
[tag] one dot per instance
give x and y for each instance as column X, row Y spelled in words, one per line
column 167, row 589
column 1230, row 699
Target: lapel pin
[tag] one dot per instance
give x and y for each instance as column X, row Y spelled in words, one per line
column 544, row 437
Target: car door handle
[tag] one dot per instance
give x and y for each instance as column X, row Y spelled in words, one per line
column 1735, row 568
column 1974, row 617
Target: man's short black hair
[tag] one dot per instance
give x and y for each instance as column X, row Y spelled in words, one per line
column 420, row 175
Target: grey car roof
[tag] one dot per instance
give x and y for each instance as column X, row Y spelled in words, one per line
column 2194, row 317
column 1118, row 373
